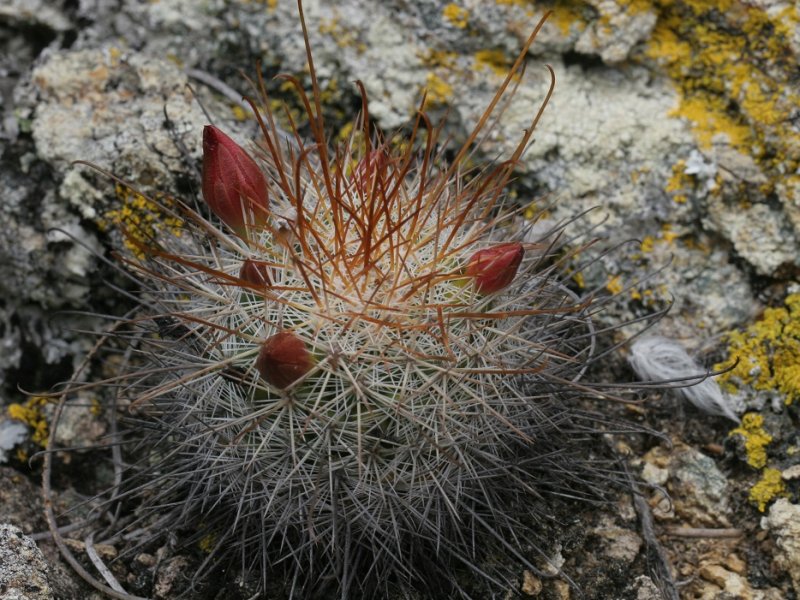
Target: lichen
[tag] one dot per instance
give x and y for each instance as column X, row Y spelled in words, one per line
column 731, row 63
column 140, row 218
column 680, row 183
column 492, row 59
column 756, row 439
column 344, row 37
column 614, row 285
column 438, row 90
column 768, row 353
column 733, row 67
column 768, row 488
column 32, row 414
column 207, row 543
column 456, row 15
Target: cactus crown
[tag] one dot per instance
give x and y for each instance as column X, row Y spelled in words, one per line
column 351, row 380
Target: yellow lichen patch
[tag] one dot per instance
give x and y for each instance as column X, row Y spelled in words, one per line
column 533, row 211
column 635, row 7
column 648, row 243
column 96, row 408
column 443, row 67
column 439, row 91
column 567, row 15
column 711, row 122
column 768, row 488
column 239, row 113
column 32, row 414
column 345, row 132
column 680, row 183
column 456, row 15
column 141, row 219
column 731, row 63
column 756, row 439
column 667, row 234
column 345, row 37
column 206, row 544
column 614, row 285
column 494, row 60
column 768, row 353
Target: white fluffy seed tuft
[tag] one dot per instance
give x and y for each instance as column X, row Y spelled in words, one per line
column 657, row 358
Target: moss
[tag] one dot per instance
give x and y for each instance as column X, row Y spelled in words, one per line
column 768, row 488
column 768, row 353
column 756, row 439
column 32, row 414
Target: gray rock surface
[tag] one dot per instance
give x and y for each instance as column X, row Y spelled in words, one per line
column 23, row 570
column 783, row 523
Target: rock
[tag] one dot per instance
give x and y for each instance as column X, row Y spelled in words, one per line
column 730, row 582
column 20, row 502
column 172, row 578
column 34, row 13
column 11, row 434
column 617, row 543
column 531, row 584
column 699, row 490
column 643, row 588
column 23, row 570
column 616, row 32
column 783, row 523
column 80, row 425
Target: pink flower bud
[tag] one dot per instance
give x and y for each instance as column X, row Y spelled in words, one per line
column 255, row 273
column 494, row 268
column 234, row 187
column 283, row 359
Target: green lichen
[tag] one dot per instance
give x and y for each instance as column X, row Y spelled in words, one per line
column 768, row 353
column 768, row 488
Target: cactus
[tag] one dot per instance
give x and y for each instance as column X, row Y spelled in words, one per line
column 356, row 369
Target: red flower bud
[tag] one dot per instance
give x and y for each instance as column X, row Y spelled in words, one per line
column 234, row 187
column 494, row 268
column 255, row 273
column 283, row 359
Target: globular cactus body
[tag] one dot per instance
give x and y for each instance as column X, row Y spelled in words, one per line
column 370, row 368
